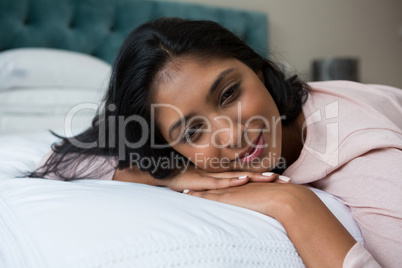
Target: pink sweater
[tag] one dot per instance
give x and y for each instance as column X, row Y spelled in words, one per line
column 352, row 150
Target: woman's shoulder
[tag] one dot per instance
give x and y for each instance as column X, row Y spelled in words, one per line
column 345, row 120
column 357, row 95
column 356, row 106
column 351, row 89
column 351, row 86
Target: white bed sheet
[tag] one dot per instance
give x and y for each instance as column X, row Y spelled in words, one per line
column 94, row 223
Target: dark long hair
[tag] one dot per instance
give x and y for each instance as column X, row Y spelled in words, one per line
column 143, row 54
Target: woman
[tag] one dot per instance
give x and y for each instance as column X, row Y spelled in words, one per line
column 194, row 93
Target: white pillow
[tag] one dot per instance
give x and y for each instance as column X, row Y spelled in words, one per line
column 99, row 223
column 38, row 87
column 95, row 223
column 46, row 100
column 37, row 109
column 17, row 124
column 45, row 67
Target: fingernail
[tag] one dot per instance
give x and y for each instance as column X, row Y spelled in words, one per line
column 284, row 178
column 268, row 174
column 243, row 177
column 185, row 191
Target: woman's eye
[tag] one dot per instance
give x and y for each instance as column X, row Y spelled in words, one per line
column 191, row 134
column 229, row 93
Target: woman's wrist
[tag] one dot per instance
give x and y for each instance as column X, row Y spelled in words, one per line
column 282, row 202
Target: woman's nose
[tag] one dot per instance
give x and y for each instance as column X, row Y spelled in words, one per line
column 227, row 133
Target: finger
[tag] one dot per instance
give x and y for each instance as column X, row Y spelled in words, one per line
column 257, row 177
column 264, row 177
column 211, row 194
column 254, row 176
column 282, row 179
column 202, row 183
column 222, row 183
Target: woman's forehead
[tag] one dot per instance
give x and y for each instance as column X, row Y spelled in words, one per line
column 189, row 77
column 185, row 89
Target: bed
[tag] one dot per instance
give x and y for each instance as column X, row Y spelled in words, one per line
column 55, row 60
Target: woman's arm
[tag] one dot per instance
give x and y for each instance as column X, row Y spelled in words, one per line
column 318, row 236
column 195, row 179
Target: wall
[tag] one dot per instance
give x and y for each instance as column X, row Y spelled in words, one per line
column 302, row 30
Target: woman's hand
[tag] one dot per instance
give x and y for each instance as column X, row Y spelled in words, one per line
column 268, row 199
column 198, row 180
column 318, row 236
column 256, row 196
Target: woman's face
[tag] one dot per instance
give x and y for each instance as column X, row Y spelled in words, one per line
column 219, row 114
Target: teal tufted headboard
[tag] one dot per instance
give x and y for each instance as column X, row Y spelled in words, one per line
column 98, row 27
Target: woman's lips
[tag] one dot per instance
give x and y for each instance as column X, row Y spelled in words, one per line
column 254, row 151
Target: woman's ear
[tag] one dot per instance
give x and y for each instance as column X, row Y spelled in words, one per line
column 261, row 76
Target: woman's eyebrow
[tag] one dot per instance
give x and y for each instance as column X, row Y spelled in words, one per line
column 211, row 91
